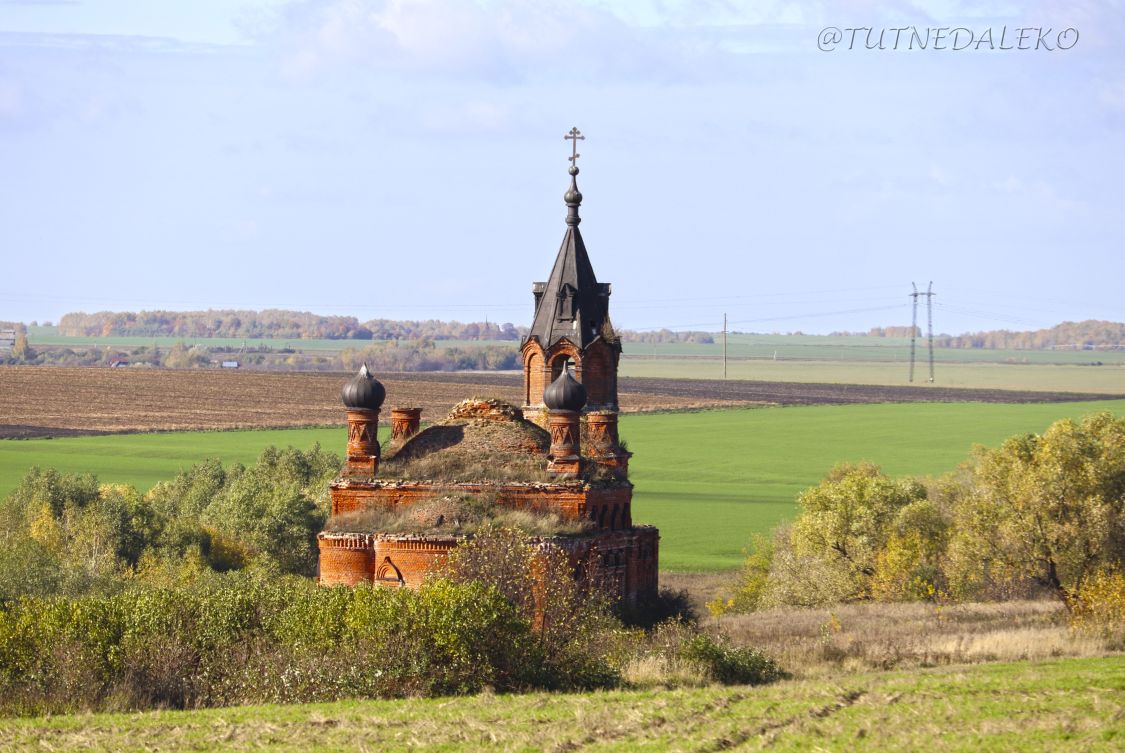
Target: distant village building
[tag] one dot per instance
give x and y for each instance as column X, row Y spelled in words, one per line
column 230, row 364
column 117, row 363
column 7, row 340
column 557, row 456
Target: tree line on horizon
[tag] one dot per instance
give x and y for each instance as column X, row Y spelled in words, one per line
column 1091, row 333
column 303, row 325
column 275, row 323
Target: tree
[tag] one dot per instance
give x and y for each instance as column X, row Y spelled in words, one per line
column 846, row 519
column 1042, row 509
column 272, row 508
column 21, row 350
column 909, row 564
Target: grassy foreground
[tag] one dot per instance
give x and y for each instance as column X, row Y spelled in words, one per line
column 1061, row 705
column 709, row 480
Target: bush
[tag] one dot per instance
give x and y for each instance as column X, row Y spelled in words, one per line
column 731, row 665
column 577, row 638
column 1098, row 606
column 236, row 639
column 66, row 534
column 752, row 580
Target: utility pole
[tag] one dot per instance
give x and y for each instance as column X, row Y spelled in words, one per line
column 913, row 329
column 724, row 346
column 930, row 325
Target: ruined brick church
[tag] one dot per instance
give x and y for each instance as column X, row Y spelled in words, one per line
column 553, row 466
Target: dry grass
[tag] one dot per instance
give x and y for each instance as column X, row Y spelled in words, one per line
column 699, row 587
column 855, row 637
column 465, row 465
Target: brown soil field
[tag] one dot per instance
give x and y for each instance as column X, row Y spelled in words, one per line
column 38, row 401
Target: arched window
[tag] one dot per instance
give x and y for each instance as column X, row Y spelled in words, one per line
column 533, row 378
column 389, row 574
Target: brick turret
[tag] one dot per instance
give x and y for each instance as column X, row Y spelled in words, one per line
column 363, row 395
column 571, row 324
column 405, row 423
column 564, row 399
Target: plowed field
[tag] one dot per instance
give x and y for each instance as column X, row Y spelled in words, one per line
column 56, row 401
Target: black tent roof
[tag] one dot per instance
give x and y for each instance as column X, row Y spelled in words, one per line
column 572, row 304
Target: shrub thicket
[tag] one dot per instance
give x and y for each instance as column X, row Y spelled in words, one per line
column 68, row 534
column 1098, row 606
column 1041, row 513
column 731, row 665
column 242, row 639
column 579, row 640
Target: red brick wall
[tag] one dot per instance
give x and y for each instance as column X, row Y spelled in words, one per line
column 627, row 561
column 533, row 377
column 410, row 559
column 610, row 508
column 599, row 375
column 344, row 560
column 348, row 497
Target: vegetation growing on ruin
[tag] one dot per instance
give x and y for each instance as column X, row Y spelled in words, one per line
column 456, row 515
column 457, row 465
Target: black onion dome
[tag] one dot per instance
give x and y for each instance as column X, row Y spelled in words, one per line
column 363, row 391
column 565, row 393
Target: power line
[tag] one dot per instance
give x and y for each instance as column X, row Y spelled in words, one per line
column 929, row 326
column 913, row 329
column 724, row 346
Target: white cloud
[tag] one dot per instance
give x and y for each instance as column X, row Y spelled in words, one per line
column 1038, row 198
column 475, row 115
column 505, row 40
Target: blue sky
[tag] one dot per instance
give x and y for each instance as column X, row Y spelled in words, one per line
column 406, row 160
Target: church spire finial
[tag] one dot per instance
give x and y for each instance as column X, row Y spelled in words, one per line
column 573, row 197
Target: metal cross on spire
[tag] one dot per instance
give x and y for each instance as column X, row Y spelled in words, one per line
column 574, row 137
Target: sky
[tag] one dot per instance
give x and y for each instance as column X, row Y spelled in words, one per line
column 405, row 159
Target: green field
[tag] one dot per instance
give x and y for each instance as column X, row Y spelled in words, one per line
column 144, row 459
column 861, row 348
column 1051, row 707
column 708, row 479
column 1106, row 379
